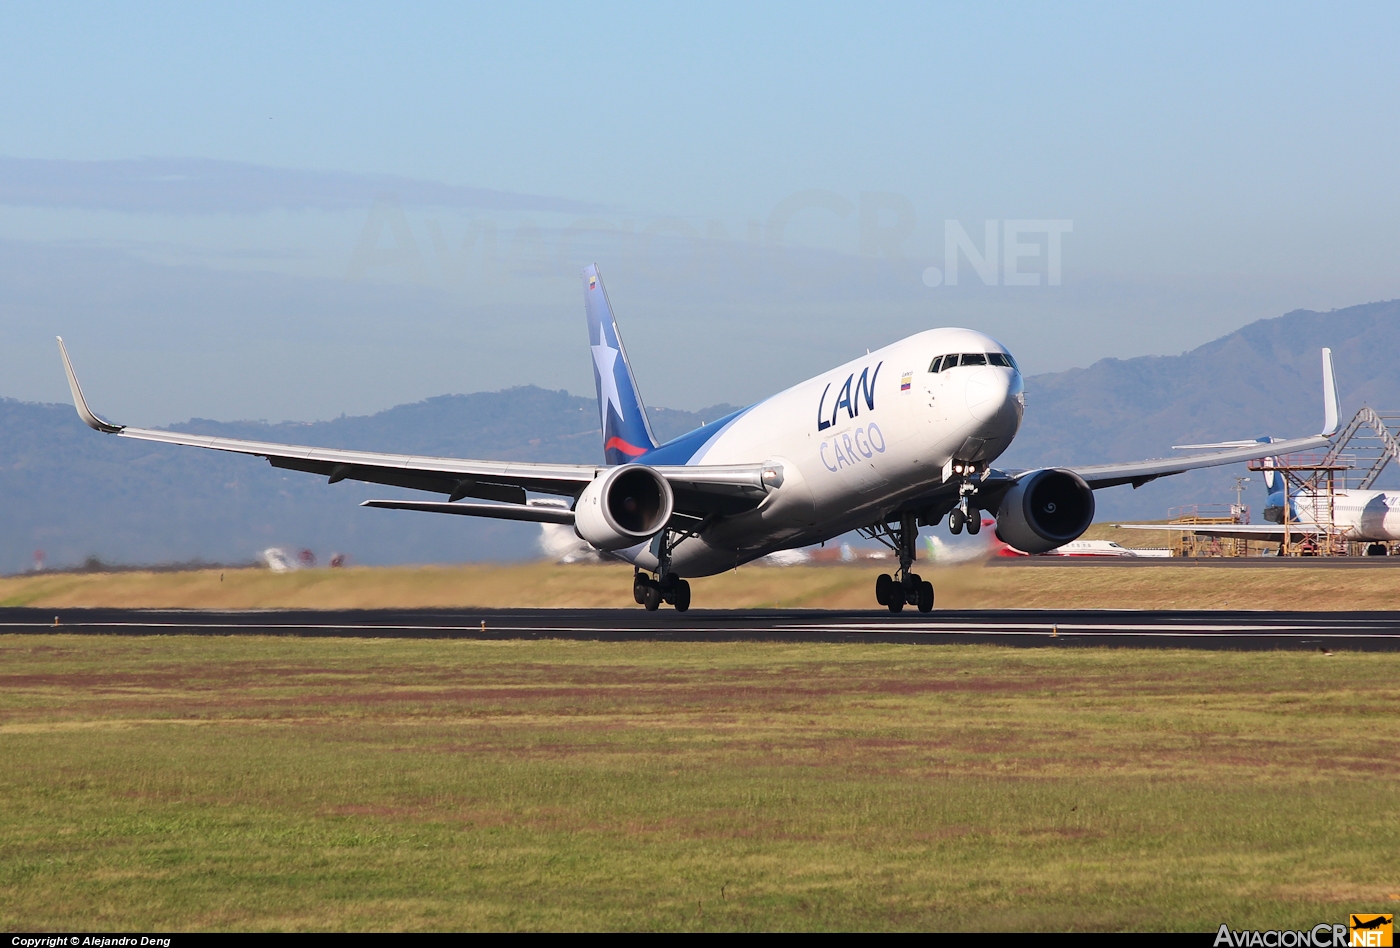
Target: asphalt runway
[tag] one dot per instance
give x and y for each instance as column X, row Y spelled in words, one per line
column 1313, row 631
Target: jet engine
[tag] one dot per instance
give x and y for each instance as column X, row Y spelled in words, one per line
column 623, row 507
column 1044, row 510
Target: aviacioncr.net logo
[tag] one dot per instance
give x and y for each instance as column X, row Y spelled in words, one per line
column 1364, row 931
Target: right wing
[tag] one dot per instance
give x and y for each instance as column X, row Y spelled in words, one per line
column 700, row 491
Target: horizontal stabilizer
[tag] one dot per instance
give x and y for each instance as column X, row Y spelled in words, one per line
column 1263, row 532
column 531, row 514
column 1222, row 445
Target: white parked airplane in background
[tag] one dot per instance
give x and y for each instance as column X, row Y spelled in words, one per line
column 1360, row 515
column 898, row 438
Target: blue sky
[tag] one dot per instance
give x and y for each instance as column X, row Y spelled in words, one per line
column 188, row 191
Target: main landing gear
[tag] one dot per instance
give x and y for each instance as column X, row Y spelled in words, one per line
column 670, row 588
column 667, row 586
column 905, row 587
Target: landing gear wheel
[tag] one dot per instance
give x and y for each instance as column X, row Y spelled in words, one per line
column 653, row 597
column 904, row 587
column 1376, row 549
column 639, row 588
column 925, row 597
column 682, row 596
column 956, row 519
column 974, row 522
column 883, row 585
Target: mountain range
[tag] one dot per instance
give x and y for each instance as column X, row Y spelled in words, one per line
column 76, row 495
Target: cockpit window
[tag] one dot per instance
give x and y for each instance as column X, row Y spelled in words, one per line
column 945, row 362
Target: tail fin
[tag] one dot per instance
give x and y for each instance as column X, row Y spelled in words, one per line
column 626, row 431
column 1277, row 486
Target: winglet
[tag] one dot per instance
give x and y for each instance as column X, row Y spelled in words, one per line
column 1331, row 409
column 80, row 403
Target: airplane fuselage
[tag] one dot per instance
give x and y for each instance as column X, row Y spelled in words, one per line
column 1359, row 514
column 852, row 444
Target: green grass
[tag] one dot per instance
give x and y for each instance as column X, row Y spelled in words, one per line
column 259, row 783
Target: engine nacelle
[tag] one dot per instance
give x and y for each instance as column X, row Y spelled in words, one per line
column 623, row 507
column 1044, row 510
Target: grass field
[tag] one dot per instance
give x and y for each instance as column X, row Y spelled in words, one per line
column 833, row 587
column 237, row 783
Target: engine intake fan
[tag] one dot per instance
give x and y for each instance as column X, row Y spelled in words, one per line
column 1045, row 509
column 623, row 507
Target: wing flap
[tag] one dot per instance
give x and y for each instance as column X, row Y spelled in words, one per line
column 532, row 514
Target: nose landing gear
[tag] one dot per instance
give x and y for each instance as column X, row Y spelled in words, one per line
column 964, row 514
column 905, row 587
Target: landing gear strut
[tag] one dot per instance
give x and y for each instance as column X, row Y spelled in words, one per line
column 667, row 586
column 651, row 593
column 905, row 587
column 964, row 514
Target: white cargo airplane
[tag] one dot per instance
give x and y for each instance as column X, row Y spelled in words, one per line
column 893, row 440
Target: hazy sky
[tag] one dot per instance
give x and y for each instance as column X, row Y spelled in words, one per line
column 290, row 211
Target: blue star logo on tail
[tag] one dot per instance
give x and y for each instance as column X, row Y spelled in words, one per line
column 626, row 433
column 605, row 361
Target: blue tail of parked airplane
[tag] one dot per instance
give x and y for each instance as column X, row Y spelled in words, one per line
column 626, row 431
column 1277, row 486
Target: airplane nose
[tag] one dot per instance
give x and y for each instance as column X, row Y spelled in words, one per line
column 989, row 391
column 995, row 402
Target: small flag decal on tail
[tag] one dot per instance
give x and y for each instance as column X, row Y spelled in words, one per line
column 593, row 282
column 906, row 381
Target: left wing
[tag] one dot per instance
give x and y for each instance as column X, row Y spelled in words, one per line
column 700, row 491
column 1138, row 473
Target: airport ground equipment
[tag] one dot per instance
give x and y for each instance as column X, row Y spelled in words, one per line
column 1319, row 503
column 1311, row 478
column 1188, row 543
column 1367, row 443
